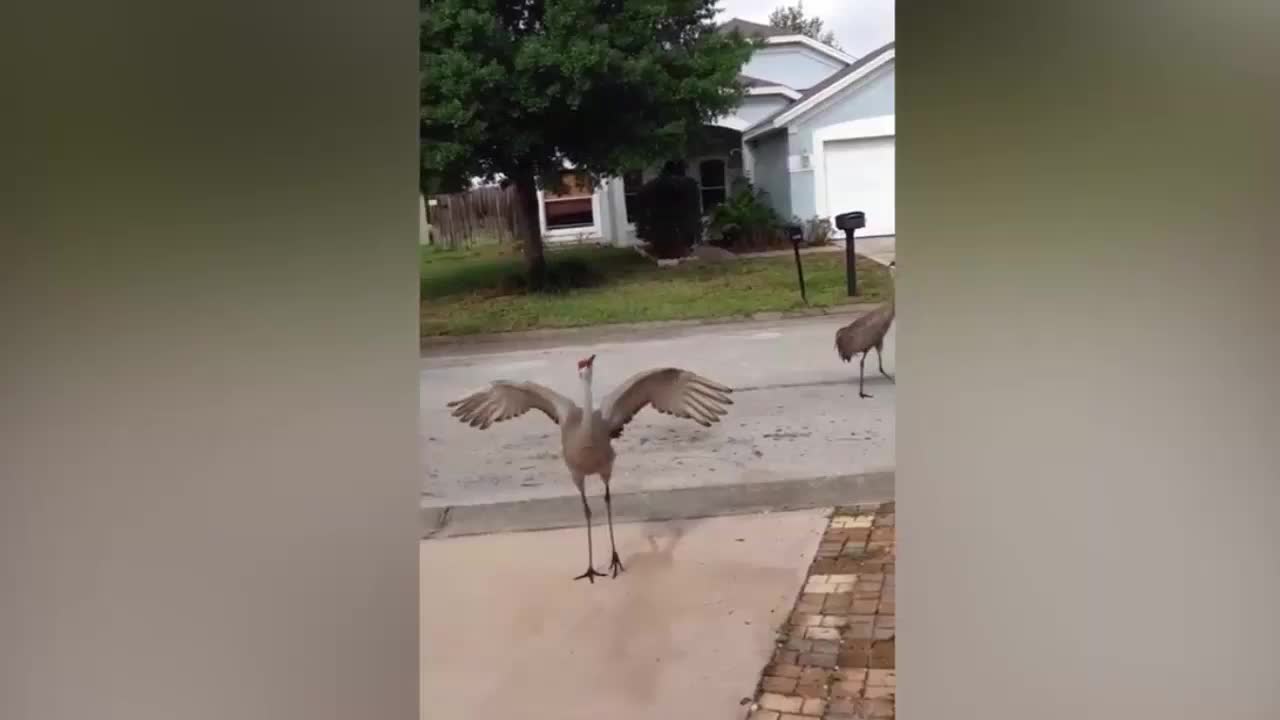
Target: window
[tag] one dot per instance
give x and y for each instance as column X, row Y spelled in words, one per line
column 571, row 206
column 631, row 183
column 711, row 177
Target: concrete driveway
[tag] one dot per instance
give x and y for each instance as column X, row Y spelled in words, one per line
column 883, row 250
column 796, row 415
column 683, row 633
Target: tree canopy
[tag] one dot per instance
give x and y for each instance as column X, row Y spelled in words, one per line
column 792, row 18
column 517, row 87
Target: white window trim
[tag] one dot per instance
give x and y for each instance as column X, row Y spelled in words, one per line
column 812, row 44
column 861, row 129
column 592, row 230
column 774, row 90
column 826, row 94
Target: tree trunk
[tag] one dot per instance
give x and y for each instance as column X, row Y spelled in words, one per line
column 535, row 262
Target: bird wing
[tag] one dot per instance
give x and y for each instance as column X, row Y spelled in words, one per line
column 503, row 400
column 671, row 391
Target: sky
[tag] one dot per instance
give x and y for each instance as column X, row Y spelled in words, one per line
column 860, row 25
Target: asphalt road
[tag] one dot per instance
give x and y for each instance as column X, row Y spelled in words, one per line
column 796, row 414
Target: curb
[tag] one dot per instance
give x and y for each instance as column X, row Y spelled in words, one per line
column 659, row 505
column 629, row 330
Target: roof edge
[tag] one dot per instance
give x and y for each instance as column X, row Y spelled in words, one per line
column 863, row 67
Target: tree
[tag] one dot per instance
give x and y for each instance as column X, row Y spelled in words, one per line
column 792, row 18
column 514, row 89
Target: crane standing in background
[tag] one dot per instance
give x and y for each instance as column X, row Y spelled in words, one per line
column 865, row 333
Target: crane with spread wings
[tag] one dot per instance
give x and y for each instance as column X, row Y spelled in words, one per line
column 587, row 432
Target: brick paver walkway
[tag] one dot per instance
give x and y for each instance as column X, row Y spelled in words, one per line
column 835, row 655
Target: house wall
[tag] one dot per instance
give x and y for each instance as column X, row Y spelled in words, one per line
column 615, row 229
column 872, row 96
column 769, row 155
column 755, row 108
column 795, row 66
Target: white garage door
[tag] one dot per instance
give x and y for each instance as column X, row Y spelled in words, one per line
column 858, row 175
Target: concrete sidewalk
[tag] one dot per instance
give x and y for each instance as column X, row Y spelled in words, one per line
column 683, row 633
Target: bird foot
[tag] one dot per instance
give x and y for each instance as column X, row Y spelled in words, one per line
column 590, row 575
column 616, row 565
column 890, row 378
column 863, row 395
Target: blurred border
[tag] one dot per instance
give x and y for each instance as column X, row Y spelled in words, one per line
column 208, row 505
column 1087, row 455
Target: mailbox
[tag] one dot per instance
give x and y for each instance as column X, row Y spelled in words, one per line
column 855, row 220
column 795, row 234
column 848, row 222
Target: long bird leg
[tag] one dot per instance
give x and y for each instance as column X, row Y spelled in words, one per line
column 591, row 573
column 615, row 565
column 861, row 366
column 880, row 360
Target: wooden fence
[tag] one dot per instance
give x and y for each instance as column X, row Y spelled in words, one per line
column 484, row 215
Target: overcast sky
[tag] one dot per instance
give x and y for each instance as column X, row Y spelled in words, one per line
column 860, row 25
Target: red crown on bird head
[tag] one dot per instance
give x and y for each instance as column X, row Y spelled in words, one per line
column 586, row 363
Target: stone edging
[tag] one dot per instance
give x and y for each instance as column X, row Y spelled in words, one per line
column 835, row 656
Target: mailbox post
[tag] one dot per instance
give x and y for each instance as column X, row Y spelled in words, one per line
column 796, row 235
column 848, row 222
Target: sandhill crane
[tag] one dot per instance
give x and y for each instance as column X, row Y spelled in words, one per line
column 865, row 333
column 586, row 432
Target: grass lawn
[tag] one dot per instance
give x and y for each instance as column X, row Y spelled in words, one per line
column 466, row 292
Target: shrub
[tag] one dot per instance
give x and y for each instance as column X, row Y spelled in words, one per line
column 669, row 217
column 745, row 221
column 817, row 230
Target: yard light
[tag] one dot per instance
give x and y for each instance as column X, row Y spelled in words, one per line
column 848, row 222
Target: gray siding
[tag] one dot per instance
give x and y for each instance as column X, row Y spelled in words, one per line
column 870, row 97
column 770, row 174
column 803, row 203
column 792, row 65
column 755, row 108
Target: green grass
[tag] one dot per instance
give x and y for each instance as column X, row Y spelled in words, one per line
column 467, row 292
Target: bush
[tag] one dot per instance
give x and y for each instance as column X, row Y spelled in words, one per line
column 669, row 216
column 745, row 221
column 817, row 230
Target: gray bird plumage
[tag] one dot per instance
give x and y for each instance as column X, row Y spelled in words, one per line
column 865, row 333
column 587, row 432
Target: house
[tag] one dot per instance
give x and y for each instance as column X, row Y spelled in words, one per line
column 815, row 130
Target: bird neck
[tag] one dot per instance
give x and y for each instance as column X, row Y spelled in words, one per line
column 586, row 396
